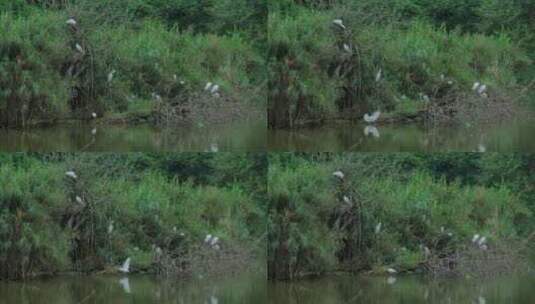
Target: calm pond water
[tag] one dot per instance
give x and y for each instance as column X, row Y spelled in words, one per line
column 506, row 137
column 141, row 289
column 242, row 136
column 403, row 289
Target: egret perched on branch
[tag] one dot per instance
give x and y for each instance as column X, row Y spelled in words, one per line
column 71, row 22
column 214, row 241
column 475, row 86
column 79, row 48
column 79, row 200
column 214, row 89
column 347, row 48
column 475, row 238
column 339, row 23
column 372, row 118
column 338, row 174
column 94, row 115
column 71, row 174
column 208, row 238
column 125, row 268
column 208, row 86
column 110, row 75
column 378, row 228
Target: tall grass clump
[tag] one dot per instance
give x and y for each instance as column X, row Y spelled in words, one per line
column 32, row 52
column 411, row 218
column 51, row 222
column 404, row 56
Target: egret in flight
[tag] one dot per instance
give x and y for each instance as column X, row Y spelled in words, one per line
column 125, row 268
column 372, row 118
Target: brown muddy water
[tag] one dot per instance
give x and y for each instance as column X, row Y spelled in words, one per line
column 254, row 289
column 513, row 136
column 248, row 136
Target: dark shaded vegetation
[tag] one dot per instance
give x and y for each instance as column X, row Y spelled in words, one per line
column 410, row 212
column 414, row 59
column 155, row 209
column 136, row 59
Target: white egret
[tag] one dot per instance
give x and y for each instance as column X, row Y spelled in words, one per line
column 372, row 118
column 182, row 82
column 482, row 89
column 338, row 174
column 475, row 238
column 391, row 280
column 475, row 86
column 71, row 22
column 214, row 241
column 174, row 77
column 442, row 77
column 182, row 234
column 378, row 75
column 372, row 130
column 378, row 228
column 391, row 271
column 110, row 75
column 426, row 98
column 214, row 89
column 110, row 227
column 125, row 284
column 79, row 48
column 94, row 131
column 442, row 229
column 481, row 148
column 482, row 241
column 339, row 23
column 71, row 174
column 346, row 200
column 450, row 82
column 125, row 268
column 208, row 238
column 79, row 200
column 94, row 115
column 208, row 86
column 347, row 48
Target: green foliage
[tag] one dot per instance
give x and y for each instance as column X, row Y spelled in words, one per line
column 44, row 228
column 400, row 204
column 147, row 43
column 423, row 48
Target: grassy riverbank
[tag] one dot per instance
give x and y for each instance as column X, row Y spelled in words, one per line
column 408, row 212
column 406, row 58
column 135, row 57
column 156, row 210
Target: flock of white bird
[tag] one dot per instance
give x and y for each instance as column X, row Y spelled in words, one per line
column 212, row 241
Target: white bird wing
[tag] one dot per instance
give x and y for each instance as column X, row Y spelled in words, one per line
column 126, row 265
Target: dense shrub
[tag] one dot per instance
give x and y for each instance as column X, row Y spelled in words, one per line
column 388, row 208
column 122, row 212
